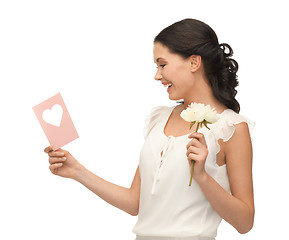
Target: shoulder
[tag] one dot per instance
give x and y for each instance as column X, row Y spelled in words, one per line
column 233, row 124
column 156, row 115
column 157, row 112
column 232, row 135
column 237, row 133
column 240, row 138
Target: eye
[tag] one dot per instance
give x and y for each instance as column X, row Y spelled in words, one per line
column 162, row 66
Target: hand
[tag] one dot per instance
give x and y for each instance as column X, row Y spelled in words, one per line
column 62, row 163
column 197, row 151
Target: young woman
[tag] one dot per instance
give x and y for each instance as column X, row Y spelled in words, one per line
column 195, row 68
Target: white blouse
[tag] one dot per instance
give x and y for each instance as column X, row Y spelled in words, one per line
column 169, row 208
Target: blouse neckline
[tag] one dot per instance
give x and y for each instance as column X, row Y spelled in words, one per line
column 181, row 136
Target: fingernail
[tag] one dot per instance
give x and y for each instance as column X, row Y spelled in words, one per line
column 64, row 158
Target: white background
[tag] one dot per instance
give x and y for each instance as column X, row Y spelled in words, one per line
column 98, row 54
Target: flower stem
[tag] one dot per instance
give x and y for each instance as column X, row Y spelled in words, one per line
column 192, row 169
column 198, row 127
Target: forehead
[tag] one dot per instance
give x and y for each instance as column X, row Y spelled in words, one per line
column 160, row 52
column 163, row 53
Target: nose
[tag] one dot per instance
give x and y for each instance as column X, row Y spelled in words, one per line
column 158, row 75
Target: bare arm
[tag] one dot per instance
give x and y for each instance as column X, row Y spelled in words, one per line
column 126, row 199
column 63, row 164
column 238, row 208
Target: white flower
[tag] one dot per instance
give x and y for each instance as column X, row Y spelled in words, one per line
column 195, row 112
column 199, row 113
column 212, row 116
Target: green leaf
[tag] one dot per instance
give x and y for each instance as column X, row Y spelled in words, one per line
column 205, row 123
column 192, row 124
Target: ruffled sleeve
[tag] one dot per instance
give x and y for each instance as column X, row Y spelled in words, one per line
column 225, row 127
column 153, row 118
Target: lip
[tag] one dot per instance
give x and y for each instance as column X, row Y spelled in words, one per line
column 169, row 89
column 166, row 83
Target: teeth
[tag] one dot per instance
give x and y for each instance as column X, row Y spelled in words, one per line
column 168, row 85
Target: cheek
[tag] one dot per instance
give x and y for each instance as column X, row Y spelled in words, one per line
column 183, row 78
column 175, row 74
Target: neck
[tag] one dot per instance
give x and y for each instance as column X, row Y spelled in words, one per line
column 203, row 94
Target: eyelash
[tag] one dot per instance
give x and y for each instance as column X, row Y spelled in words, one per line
column 163, row 65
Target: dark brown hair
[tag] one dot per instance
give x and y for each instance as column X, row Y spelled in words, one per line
column 193, row 37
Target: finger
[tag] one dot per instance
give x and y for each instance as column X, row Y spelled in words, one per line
column 55, row 166
column 48, row 149
column 194, row 157
column 56, row 154
column 195, row 142
column 62, row 151
column 199, row 136
column 193, row 134
column 53, row 160
column 194, row 150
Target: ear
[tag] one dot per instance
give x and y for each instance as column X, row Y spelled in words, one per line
column 196, row 61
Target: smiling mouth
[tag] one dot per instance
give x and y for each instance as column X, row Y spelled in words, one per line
column 168, row 85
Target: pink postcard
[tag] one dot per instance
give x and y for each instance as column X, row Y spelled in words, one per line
column 55, row 121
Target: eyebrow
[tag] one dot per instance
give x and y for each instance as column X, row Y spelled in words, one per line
column 158, row 59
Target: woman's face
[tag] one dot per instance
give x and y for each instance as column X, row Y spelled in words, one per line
column 174, row 72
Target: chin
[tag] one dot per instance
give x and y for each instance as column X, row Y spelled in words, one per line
column 174, row 98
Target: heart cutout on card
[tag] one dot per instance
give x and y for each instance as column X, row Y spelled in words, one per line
column 53, row 116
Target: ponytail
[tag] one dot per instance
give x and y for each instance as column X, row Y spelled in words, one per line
column 224, row 79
